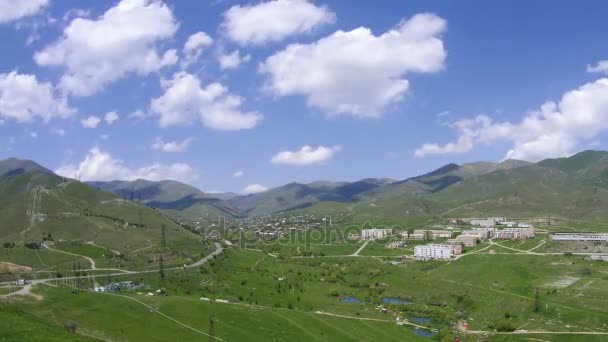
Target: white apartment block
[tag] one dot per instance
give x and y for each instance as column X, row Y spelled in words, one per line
column 433, row 251
column 580, row 237
column 376, row 233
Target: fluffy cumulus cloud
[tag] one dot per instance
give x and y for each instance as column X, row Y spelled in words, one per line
column 356, row 72
column 557, row 129
column 232, row 60
column 23, row 98
column 273, row 21
column 238, row 174
column 11, row 10
column 185, row 100
column 254, row 189
column 600, row 67
column 96, row 52
column 111, row 117
column 101, row 166
column 90, row 122
column 171, row 146
column 194, row 46
column 307, row 155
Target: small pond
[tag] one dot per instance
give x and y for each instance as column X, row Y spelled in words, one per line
column 350, row 300
column 393, row 300
column 424, row 333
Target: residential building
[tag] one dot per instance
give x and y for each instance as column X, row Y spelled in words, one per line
column 421, row 234
column 580, row 236
column 376, row 233
column 514, row 233
column 466, row 240
column 433, row 251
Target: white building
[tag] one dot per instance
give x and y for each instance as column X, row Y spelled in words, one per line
column 433, row 251
column 580, row 237
column 376, row 233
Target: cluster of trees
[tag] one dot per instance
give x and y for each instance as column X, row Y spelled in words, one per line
column 9, row 245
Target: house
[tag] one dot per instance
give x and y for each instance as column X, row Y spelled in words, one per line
column 433, row 251
column 376, row 233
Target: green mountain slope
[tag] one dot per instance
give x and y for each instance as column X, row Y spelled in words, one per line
column 38, row 203
column 172, row 197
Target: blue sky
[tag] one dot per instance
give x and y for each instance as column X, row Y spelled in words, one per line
column 230, row 95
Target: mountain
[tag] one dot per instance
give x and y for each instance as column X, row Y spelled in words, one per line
column 35, row 202
column 294, row 196
column 174, row 198
column 13, row 167
column 440, row 179
column 576, row 186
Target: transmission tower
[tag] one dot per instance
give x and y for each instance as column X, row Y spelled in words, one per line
column 163, row 238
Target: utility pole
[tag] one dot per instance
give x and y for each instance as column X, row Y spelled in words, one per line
column 161, row 264
column 211, row 329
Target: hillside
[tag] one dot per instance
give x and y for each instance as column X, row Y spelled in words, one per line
column 297, row 196
column 174, row 198
column 36, row 204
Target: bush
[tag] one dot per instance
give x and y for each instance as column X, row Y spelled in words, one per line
column 71, row 327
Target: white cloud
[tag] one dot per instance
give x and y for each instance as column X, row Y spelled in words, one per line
column 119, row 42
column 104, row 137
column 238, row 174
column 355, row 72
column 111, row 117
column 557, row 129
column 254, row 188
column 58, row 131
column 11, row 10
column 90, row 122
column 307, row 155
column 101, row 166
column 34, row 135
column 138, row 114
column 194, row 47
column 232, row 60
column 600, row 67
column 23, row 98
column 185, row 100
column 273, row 21
column 171, row 146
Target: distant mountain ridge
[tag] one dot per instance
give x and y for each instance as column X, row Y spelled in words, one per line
column 479, row 187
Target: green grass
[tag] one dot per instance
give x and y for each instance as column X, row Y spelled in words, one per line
column 19, row 325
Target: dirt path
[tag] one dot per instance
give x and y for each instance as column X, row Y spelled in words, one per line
column 32, row 209
column 93, row 267
column 356, row 253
